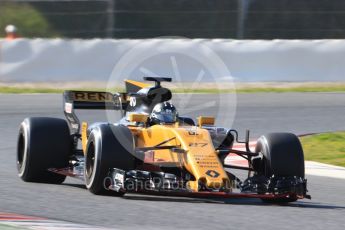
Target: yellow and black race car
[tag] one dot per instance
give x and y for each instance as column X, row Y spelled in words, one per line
column 154, row 150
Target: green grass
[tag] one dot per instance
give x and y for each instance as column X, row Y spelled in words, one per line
column 19, row 90
column 28, row 90
column 9, row 227
column 326, row 148
column 29, row 21
column 262, row 90
column 7, row 89
column 292, row 89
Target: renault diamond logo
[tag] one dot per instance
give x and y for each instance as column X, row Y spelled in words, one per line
column 212, row 173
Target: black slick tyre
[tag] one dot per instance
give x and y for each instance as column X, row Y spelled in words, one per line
column 109, row 146
column 43, row 143
column 282, row 157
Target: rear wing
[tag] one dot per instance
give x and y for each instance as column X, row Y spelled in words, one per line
column 90, row 100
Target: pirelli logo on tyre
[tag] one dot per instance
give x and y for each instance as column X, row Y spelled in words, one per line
column 93, row 96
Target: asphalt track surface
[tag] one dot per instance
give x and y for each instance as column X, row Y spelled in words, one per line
column 295, row 112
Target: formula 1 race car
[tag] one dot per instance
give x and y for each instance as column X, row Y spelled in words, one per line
column 153, row 150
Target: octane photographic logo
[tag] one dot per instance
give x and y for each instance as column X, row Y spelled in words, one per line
column 193, row 67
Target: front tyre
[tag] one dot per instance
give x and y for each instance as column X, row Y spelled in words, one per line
column 282, row 157
column 43, row 143
column 108, row 147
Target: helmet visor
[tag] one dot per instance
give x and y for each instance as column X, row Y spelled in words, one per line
column 166, row 117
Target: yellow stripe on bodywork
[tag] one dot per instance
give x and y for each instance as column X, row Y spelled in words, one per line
column 137, row 117
column 137, row 83
column 205, row 121
column 84, row 127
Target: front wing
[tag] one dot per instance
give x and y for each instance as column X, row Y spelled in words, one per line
column 140, row 182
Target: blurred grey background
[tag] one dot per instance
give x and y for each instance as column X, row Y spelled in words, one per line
column 238, row 19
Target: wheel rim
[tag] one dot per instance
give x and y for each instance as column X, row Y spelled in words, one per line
column 90, row 161
column 21, row 152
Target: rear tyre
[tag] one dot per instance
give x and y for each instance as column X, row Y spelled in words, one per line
column 43, row 143
column 282, row 157
column 108, row 147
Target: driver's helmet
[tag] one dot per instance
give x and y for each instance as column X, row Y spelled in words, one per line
column 163, row 113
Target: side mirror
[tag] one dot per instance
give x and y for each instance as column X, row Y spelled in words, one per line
column 138, row 117
column 205, row 121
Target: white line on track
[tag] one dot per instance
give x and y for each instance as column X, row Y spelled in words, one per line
column 324, row 170
column 35, row 223
column 50, row 225
column 311, row 167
